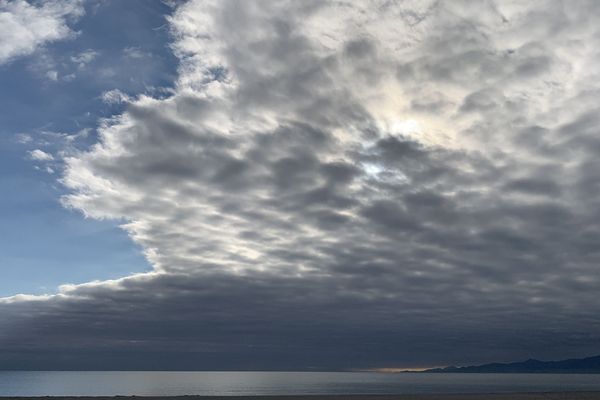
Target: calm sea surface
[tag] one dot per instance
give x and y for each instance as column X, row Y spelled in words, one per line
column 280, row 383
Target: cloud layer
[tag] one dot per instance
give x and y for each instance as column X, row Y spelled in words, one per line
column 25, row 26
column 336, row 185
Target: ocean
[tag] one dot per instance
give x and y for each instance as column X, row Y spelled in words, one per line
column 142, row 383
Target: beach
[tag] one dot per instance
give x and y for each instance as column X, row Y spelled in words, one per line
column 479, row 396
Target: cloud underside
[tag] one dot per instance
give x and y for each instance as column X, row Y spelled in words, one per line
column 26, row 26
column 339, row 185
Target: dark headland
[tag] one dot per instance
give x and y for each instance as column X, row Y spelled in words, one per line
column 589, row 365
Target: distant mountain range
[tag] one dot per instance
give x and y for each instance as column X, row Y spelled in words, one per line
column 571, row 366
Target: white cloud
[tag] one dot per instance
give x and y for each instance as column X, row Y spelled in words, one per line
column 24, row 27
column 40, row 155
column 52, row 75
column 115, row 96
column 84, row 58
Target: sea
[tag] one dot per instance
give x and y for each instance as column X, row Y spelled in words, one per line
column 142, row 383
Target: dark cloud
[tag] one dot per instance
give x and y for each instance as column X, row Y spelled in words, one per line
column 341, row 196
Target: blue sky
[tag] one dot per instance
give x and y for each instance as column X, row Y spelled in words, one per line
column 44, row 244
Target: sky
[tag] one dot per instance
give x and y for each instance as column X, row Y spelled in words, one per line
column 286, row 185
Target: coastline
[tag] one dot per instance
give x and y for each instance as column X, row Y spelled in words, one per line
column 466, row 396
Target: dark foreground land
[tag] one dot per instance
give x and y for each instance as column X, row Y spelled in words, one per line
column 504, row 396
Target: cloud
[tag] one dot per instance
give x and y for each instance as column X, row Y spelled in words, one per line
column 135, row 52
column 25, row 26
column 84, row 58
column 115, row 96
column 23, row 138
column 40, row 155
column 344, row 185
column 52, row 75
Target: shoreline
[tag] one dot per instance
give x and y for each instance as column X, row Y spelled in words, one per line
column 572, row 395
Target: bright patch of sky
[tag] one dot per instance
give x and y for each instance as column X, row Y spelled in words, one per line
column 52, row 96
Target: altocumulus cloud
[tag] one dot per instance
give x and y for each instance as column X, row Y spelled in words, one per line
column 341, row 185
